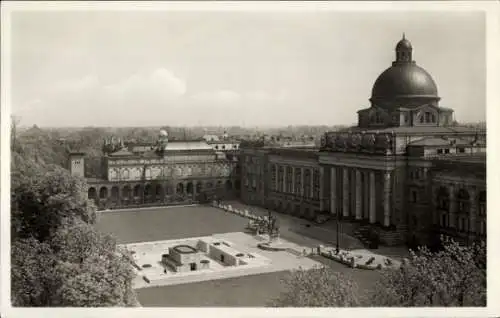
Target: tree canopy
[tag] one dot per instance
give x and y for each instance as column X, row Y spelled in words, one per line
column 453, row 276
column 318, row 287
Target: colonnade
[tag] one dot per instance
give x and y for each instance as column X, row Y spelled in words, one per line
column 353, row 193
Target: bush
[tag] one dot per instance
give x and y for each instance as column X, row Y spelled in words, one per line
column 146, row 266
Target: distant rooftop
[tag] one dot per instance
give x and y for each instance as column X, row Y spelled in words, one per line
column 479, row 158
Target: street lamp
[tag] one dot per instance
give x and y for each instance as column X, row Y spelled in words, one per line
column 338, row 231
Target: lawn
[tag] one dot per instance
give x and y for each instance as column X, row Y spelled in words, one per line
column 246, row 291
column 168, row 223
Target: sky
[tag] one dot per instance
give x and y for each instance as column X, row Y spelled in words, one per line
column 137, row 68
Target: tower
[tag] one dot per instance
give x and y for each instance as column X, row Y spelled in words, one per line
column 77, row 164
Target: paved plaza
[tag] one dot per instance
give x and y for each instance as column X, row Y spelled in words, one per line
column 261, row 261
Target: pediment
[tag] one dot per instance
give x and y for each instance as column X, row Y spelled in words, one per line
column 427, row 107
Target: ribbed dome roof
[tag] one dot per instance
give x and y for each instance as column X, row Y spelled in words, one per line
column 404, row 80
column 404, row 44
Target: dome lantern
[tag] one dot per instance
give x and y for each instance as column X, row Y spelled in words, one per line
column 404, row 51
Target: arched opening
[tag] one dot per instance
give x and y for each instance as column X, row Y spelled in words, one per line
column 137, row 190
column 147, row 190
column 229, row 185
column 482, row 203
column 237, row 184
column 189, row 188
column 463, row 208
column 103, row 193
column 115, row 193
column 158, row 191
column 199, row 187
column 126, row 192
column 180, row 188
column 92, row 193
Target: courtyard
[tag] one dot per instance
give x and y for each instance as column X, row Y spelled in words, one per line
column 169, row 223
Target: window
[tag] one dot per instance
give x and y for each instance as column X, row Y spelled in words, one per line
column 440, row 151
column 316, row 184
column 433, row 118
column 281, row 176
column 421, row 119
column 289, row 179
column 298, row 180
column 406, row 118
column 447, row 150
column 273, row 177
column 307, row 183
column 427, row 117
column 413, row 196
column 223, row 146
column 461, row 150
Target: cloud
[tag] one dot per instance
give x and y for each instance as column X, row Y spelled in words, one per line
column 219, row 96
column 263, row 96
column 141, row 98
column 160, row 85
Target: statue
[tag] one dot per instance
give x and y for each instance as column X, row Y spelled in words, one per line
column 356, row 141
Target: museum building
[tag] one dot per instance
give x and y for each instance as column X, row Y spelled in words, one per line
column 404, row 171
column 162, row 173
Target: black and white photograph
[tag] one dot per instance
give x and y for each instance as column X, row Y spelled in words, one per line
column 232, row 155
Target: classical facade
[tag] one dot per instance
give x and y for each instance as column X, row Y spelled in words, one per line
column 403, row 171
column 167, row 172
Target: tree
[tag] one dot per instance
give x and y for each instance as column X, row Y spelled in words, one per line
column 454, row 276
column 77, row 267
column 90, row 270
column 318, row 287
column 42, row 200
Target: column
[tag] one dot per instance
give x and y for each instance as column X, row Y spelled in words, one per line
column 276, row 180
column 453, row 207
column 333, row 191
column 285, row 168
column 293, row 179
column 301, row 182
column 311, row 194
column 366, row 197
column 373, row 216
column 321, row 188
column 358, row 195
column 345, row 192
column 387, row 198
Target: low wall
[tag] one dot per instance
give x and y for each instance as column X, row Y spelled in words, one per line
column 216, row 253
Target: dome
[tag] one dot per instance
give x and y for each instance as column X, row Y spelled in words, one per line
column 403, row 81
column 163, row 133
